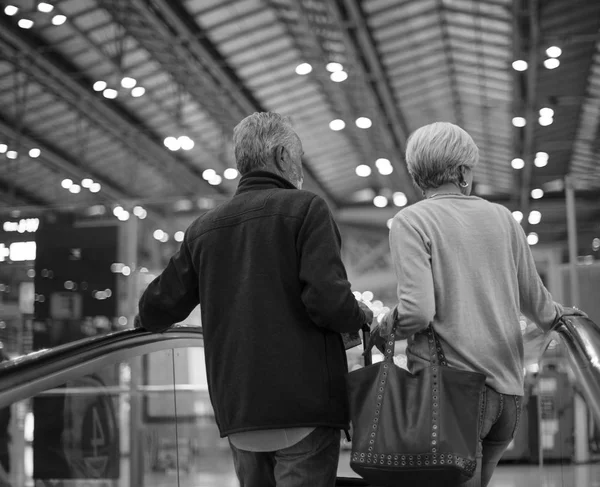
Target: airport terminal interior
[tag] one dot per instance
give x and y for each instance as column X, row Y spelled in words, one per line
column 116, row 123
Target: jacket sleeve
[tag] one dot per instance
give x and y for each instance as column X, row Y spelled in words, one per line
column 326, row 292
column 412, row 264
column 172, row 296
column 535, row 300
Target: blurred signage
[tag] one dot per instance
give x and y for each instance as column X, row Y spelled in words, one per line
column 18, row 251
column 26, row 225
column 66, row 306
column 26, row 297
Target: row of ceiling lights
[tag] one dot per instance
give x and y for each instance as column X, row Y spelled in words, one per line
column 361, row 122
column 43, row 7
column 127, row 82
column 546, row 118
column 214, row 179
column 552, row 62
column 384, row 166
column 13, row 154
column 87, row 183
column 336, row 69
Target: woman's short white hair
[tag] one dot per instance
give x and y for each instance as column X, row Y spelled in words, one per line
column 435, row 152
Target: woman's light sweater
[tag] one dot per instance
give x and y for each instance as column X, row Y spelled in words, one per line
column 464, row 264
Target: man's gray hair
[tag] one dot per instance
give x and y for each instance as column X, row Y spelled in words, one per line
column 256, row 137
column 435, row 152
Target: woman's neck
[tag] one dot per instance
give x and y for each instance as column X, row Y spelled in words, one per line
column 447, row 188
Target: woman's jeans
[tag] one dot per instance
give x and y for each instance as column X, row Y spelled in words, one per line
column 498, row 424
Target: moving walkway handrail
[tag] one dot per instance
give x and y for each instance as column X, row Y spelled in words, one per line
column 36, row 372
column 581, row 338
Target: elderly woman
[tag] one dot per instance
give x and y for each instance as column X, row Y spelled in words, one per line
column 463, row 265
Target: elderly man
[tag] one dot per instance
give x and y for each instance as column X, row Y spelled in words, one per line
column 267, row 271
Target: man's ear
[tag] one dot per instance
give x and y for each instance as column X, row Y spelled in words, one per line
column 281, row 158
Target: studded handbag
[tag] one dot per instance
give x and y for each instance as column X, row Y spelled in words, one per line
column 414, row 429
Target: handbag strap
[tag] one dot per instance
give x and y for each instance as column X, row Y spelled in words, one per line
column 436, row 353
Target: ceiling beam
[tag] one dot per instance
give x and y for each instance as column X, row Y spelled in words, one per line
column 61, row 162
column 55, row 73
column 183, row 37
column 13, row 195
column 359, row 40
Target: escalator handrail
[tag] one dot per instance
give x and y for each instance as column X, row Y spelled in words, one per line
column 30, row 374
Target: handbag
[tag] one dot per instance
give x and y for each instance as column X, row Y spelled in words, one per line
column 415, row 429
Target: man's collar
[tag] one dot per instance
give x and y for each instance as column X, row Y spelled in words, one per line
column 256, row 180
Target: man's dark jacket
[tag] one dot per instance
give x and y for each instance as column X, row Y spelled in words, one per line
column 274, row 298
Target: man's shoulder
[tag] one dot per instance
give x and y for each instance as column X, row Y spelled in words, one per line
column 275, row 201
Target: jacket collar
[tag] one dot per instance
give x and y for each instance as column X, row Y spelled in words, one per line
column 257, row 180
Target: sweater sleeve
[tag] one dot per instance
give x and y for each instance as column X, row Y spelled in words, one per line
column 412, row 263
column 326, row 292
column 172, row 296
column 535, row 301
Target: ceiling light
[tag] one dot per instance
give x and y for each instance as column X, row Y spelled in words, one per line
column 541, row 159
column 552, row 63
column 517, row 163
column 179, row 236
column 138, row 210
column 99, row 85
column 66, row 183
column 45, row 7
column 10, row 10
column 303, row 69
column 533, row 238
column 519, row 121
column 380, row 201
column 535, row 217
column 12, row 154
column 185, row 142
column 138, row 91
column 363, row 122
column 384, row 166
column 128, row 82
column 537, row 193
column 75, row 188
column 519, row 65
column 59, row 20
column 554, row 51
column 389, row 223
column 545, row 121
column 215, row 180
column 87, row 183
column 400, row 199
column 123, row 216
column 230, row 173
column 333, row 67
column 172, row 143
column 110, row 93
column 117, row 210
column 339, row 76
column 209, row 174
column 3, row 148
column 158, row 234
column 35, row 152
column 165, row 237
column 518, row 216
column 95, row 188
column 25, row 23
column 363, row 171
column 546, row 112
column 337, row 124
